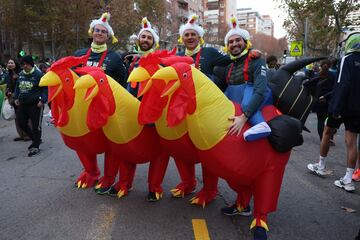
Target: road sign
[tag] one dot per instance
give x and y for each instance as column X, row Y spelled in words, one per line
column 296, row 49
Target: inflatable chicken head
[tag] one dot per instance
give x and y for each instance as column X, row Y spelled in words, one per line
column 180, row 86
column 152, row 103
column 148, row 65
column 99, row 92
column 60, row 81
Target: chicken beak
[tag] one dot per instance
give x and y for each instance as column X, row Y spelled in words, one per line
column 138, row 75
column 51, row 79
column 89, row 83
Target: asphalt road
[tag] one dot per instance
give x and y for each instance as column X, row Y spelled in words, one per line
column 38, row 200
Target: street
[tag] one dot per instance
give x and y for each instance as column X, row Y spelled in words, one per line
column 38, row 199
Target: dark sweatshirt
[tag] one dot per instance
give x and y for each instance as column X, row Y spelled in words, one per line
column 27, row 88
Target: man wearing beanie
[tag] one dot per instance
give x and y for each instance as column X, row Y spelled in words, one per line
column 30, row 99
column 147, row 42
column 205, row 58
column 99, row 55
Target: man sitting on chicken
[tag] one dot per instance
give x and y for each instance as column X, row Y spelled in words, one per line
column 245, row 82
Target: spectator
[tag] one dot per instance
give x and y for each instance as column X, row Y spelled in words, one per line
column 30, row 100
column 11, row 77
column 49, row 61
column 272, row 62
column 345, row 103
column 272, row 66
column 43, row 67
column 322, row 86
column 2, row 73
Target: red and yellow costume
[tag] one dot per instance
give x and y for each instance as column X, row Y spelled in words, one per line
column 175, row 139
column 69, row 110
column 249, row 167
column 114, row 111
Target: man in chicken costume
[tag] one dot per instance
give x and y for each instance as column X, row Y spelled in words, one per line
column 147, row 42
column 99, row 55
column 174, row 140
column 205, row 58
column 246, row 83
column 250, row 168
column 95, row 115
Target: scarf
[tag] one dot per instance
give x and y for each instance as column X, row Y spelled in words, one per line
column 144, row 53
column 28, row 73
column 98, row 48
column 192, row 52
column 239, row 56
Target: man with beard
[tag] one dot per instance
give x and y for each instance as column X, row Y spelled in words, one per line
column 245, row 81
column 205, row 58
column 147, row 42
column 99, row 55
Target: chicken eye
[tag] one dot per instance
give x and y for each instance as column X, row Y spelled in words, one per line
column 101, row 80
column 184, row 75
column 67, row 79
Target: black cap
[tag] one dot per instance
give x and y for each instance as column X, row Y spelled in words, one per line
column 27, row 59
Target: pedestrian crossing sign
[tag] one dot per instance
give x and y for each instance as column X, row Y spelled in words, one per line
column 296, row 49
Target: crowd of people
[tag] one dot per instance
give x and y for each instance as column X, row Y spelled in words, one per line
column 241, row 73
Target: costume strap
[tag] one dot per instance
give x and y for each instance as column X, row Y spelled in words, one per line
column 197, row 60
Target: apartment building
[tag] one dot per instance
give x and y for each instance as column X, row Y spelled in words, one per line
column 252, row 21
column 354, row 18
column 177, row 13
column 216, row 16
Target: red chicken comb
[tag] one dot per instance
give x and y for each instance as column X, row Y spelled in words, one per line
column 168, row 61
column 154, row 58
column 68, row 62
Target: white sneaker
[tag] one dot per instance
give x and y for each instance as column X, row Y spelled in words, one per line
column 315, row 167
column 349, row 187
column 257, row 131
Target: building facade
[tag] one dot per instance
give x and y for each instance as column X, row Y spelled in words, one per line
column 216, row 16
column 354, row 19
column 177, row 13
column 252, row 21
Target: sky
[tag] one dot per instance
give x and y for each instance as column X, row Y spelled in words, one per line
column 266, row 7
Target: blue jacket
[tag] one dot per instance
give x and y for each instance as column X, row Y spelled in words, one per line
column 345, row 99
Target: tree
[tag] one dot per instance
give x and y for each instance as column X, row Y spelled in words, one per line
column 269, row 45
column 58, row 27
column 326, row 21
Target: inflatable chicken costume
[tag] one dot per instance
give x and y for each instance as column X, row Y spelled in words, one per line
column 69, row 110
column 114, row 110
column 175, row 139
column 100, row 116
column 188, row 97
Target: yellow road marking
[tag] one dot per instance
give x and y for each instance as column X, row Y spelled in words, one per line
column 200, row 229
